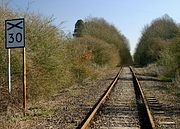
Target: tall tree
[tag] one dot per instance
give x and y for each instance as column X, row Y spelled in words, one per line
column 79, row 26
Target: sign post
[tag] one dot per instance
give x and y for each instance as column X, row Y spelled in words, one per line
column 24, row 80
column 15, row 38
column 9, row 69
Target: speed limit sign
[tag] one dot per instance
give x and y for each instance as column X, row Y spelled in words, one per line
column 15, row 38
column 15, row 33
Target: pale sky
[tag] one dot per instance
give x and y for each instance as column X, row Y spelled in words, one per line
column 128, row 16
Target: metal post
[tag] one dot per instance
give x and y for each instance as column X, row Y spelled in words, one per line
column 9, row 69
column 24, row 80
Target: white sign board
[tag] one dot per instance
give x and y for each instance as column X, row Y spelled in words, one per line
column 15, row 33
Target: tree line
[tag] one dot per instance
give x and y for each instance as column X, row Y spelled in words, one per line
column 160, row 43
column 56, row 61
column 100, row 29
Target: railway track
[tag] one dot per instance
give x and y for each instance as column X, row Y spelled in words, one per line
column 123, row 106
column 163, row 109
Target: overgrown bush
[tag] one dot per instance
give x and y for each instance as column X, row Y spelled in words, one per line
column 159, row 33
column 101, row 29
column 47, row 55
column 160, row 43
column 47, row 66
column 88, row 53
column 55, row 62
column 170, row 58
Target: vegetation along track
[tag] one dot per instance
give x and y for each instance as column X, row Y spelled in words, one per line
column 125, row 107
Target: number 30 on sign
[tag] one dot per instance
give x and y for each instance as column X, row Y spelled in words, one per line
column 15, row 33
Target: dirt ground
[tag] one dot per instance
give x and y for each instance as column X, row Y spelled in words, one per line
column 67, row 109
column 62, row 111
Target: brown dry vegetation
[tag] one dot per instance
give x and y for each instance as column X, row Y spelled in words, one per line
column 55, row 62
column 160, row 43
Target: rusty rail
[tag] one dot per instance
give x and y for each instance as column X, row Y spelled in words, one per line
column 144, row 109
column 96, row 107
column 147, row 111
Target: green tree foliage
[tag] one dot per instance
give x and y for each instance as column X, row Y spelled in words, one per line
column 87, row 54
column 95, row 51
column 55, row 62
column 46, row 57
column 100, row 29
column 170, row 57
column 160, row 32
column 124, row 52
column 47, row 68
column 79, row 26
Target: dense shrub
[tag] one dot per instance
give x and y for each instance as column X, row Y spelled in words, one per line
column 101, row 29
column 46, row 53
column 55, row 62
column 100, row 52
column 86, row 54
column 160, row 32
column 160, row 43
column 170, row 58
column 47, row 68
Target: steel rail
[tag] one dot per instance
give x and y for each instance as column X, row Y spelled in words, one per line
column 149, row 114
column 96, row 107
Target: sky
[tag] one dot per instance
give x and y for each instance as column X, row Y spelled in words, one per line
column 128, row 16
